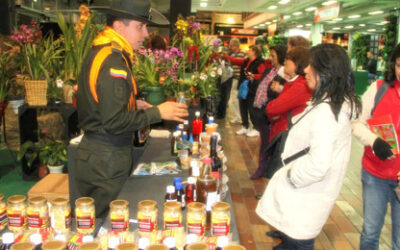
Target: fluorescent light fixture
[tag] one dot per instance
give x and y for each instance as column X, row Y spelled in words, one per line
column 362, row 24
column 376, row 12
column 336, row 28
column 203, row 4
column 284, row 1
column 354, row 16
column 286, row 16
column 47, row 8
column 230, row 20
column 328, row 3
column 349, row 27
column 308, row 24
column 297, row 13
column 337, row 19
column 311, row 9
column 262, row 25
column 371, row 30
column 267, row 23
column 272, row 7
column 300, row 26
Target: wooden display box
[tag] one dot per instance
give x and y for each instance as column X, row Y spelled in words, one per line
column 52, row 186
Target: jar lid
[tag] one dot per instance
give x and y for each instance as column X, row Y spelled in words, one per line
column 1, row 197
column 172, row 205
column 84, row 201
column 196, row 207
column 197, row 246
column 23, row 246
column 59, row 202
column 53, row 245
column 234, row 247
column 221, row 206
column 90, row 246
column 16, row 199
column 157, row 247
column 127, row 246
column 119, row 204
column 38, row 200
column 147, row 205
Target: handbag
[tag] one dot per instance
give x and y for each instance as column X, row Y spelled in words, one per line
column 275, row 148
column 243, row 90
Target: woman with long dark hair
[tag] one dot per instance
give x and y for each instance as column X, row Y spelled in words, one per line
column 379, row 164
column 301, row 195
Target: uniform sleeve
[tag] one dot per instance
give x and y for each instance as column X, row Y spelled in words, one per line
column 296, row 95
column 360, row 127
column 113, row 91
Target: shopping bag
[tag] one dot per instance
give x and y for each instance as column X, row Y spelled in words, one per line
column 243, row 90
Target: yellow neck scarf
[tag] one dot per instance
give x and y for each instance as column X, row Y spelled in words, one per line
column 109, row 35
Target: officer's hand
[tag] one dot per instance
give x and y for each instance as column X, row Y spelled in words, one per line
column 382, row 150
column 173, row 111
column 143, row 104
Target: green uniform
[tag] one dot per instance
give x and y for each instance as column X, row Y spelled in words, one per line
column 103, row 161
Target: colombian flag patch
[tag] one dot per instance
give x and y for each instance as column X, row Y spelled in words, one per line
column 118, row 73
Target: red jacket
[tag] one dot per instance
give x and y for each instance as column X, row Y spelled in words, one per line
column 389, row 104
column 239, row 62
column 294, row 97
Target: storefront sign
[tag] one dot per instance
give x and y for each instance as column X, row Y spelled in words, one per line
column 236, row 31
column 326, row 13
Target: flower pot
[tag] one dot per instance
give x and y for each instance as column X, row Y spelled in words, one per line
column 170, row 99
column 15, row 104
column 43, row 171
column 154, row 95
column 35, row 92
column 56, row 169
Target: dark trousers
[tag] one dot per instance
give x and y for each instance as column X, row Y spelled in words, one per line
column 101, row 171
column 263, row 128
column 224, row 94
column 293, row 244
column 246, row 110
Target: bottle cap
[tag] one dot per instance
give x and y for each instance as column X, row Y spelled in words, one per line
column 211, row 119
column 170, row 189
column 191, row 180
column 207, row 160
column 195, row 171
column 179, row 185
column 215, row 175
column 143, row 243
column 87, row 238
column 180, row 126
column 222, row 241
column 36, row 238
column 197, row 113
column 169, row 242
column 177, row 179
column 191, row 238
column 8, row 238
column 185, row 122
column 113, row 242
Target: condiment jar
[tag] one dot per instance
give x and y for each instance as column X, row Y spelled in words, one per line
column 85, row 215
column 220, row 219
column 60, row 215
column 197, row 246
column 38, row 213
column 234, row 247
column 3, row 213
column 119, row 215
column 172, row 215
column 147, row 216
column 90, row 246
column 16, row 213
column 157, row 247
column 54, row 245
column 196, row 219
column 22, row 246
column 127, row 246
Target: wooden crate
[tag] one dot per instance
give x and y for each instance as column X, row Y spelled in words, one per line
column 52, row 186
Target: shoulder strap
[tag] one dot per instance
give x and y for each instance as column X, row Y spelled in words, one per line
column 379, row 95
column 290, row 124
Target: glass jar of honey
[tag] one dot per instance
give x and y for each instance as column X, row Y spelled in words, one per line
column 38, row 213
column 220, row 219
column 127, row 246
column 60, row 215
column 196, row 219
column 23, row 246
column 147, row 216
column 54, row 245
column 85, row 215
column 198, row 246
column 16, row 213
column 119, row 215
column 3, row 213
column 172, row 215
column 90, row 246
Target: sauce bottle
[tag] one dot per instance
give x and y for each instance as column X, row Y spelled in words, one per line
column 171, row 195
column 197, row 126
column 191, row 194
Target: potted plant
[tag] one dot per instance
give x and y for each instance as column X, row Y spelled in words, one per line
column 54, row 155
column 29, row 152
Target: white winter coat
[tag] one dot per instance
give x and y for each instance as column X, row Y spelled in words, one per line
column 301, row 208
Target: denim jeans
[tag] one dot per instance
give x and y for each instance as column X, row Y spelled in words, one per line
column 377, row 193
column 293, row 244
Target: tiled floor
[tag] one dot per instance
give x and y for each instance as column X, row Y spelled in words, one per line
column 341, row 231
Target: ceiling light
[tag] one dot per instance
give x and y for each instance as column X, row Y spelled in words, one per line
column 371, row 30
column 362, row 24
column 376, row 12
column 297, row 13
column 336, row 28
column 354, row 16
column 349, row 27
column 300, row 26
column 308, row 24
column 267, row 23
column 337, row 19
column 284, row 1
column 262, row 25
column 286, row 16
column 275, row 20
column 203, row 4
column 272, row 7
column 328, row 2
column 311, row 8
column 230, row 20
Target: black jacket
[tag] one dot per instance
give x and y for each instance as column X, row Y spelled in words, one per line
column 253, row 68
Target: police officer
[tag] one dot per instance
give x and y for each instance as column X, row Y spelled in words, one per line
column 107, row 107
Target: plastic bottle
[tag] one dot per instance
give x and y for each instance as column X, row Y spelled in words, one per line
column 191, row 194
column 180, row 194
column 171, row 195
column 8, row 240
column 197, row 126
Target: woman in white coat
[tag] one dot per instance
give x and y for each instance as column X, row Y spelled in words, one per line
column 301, row 195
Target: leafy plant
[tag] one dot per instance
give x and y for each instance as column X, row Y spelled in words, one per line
column 360, row 47
column 53, row 153
column 389, row 38
column 30, row 150
column 5, row 74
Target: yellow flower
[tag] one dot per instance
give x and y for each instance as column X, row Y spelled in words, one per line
column 188, row 40
column 181, row 24
column 84, row 16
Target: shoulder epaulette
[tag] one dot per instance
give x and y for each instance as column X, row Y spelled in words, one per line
column 116, row 47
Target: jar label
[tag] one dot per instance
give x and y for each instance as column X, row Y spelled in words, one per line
column 3, row 217
column 196, row 225
column 119, row 222
column 85, row 221
column 16, row 218
column 171, row 222
column 220, row 225
column 146, row 222
column 35, row 220
column 68, row 219
column 60, row 220
column 211, row 199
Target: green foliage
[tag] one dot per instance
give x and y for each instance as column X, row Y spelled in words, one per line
column 277, row 40
column 30, row 150
column 360, row 47
column 389, row 38
column 52, row 152
column 6, row 74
